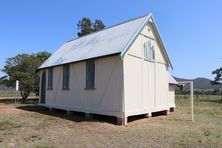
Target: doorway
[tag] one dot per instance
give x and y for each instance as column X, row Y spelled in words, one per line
column 43, row 88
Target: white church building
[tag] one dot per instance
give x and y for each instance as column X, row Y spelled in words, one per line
column 119, row 71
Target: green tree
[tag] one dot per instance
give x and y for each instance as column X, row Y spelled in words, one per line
column 86, row 26
column 23, row 67
column 218, row 77
column 98, row 25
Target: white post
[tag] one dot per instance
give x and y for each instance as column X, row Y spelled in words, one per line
column 191, row 99
column 17, row 89
column 17, row 85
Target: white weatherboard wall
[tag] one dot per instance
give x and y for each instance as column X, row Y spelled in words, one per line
column 171, row 95
column 146, row 82
column 105, row 99
column 124, row 85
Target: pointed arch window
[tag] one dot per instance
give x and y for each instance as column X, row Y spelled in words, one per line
column 65, row 84
column 149, row 52
column 90, row 74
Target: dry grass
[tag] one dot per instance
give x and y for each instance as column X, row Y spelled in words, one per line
column 13, row 94
column 30, row 126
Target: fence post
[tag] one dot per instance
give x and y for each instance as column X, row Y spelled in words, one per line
column 191, row 99
column 16, row 89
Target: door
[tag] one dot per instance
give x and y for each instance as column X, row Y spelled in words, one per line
column 43, row 88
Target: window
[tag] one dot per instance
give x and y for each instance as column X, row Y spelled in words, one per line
column 90, row 74
column 149, row 53
column 50, row 78
column 65, row 84
column 149, row 29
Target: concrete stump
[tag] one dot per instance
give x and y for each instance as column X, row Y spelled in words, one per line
column 166, row 112
column 88, row 116
column 172, row 109
column 68, row 112
column 148, row 115
column 122, row 121
column 50, row 109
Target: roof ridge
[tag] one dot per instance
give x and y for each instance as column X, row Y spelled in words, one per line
column 109, row 27
column 132, row 27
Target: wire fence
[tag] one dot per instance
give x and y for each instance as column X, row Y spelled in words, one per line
column 202, row 103
column 200, row 97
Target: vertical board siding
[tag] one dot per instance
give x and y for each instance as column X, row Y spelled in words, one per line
column 171, row 95
column 146, row 84
column 162, row 85
column 105, row 99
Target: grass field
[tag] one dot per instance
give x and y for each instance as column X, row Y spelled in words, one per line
column 31, row 126
column 13, row 95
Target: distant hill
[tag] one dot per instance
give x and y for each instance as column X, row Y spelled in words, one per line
column 200, row 84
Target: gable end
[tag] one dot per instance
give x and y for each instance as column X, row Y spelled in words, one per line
column 149, row 18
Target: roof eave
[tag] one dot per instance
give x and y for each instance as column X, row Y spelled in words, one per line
column 99, row 57
column 161, row 42
column 135, row 36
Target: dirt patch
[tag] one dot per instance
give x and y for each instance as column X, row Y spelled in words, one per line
column 9, row 109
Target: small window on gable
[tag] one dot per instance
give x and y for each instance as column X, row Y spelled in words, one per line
column 90, row 74
column 149, row 53
column 65, row 84
column 149, row 29
column 50, row 78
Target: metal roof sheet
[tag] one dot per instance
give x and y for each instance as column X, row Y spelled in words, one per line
column 105, row 42
column 172, row 80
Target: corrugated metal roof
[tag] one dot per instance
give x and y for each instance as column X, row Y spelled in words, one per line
column 105, row 42
column 172, row 80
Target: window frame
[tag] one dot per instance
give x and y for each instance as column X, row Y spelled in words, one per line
column 90, row 74
column 149, row 51
column 66, row 77
column 50, row 79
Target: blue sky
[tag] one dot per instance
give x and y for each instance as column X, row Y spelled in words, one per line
column 190, row 29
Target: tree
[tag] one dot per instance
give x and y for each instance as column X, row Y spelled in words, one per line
column 218, row 77
column 23, row 67
column 98, row 25
column 86, row 26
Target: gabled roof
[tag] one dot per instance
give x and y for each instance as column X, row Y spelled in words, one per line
column 112, row 40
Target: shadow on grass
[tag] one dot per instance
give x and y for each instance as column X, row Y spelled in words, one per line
column 80, row 116
column 13, row 101
column 73, row 116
